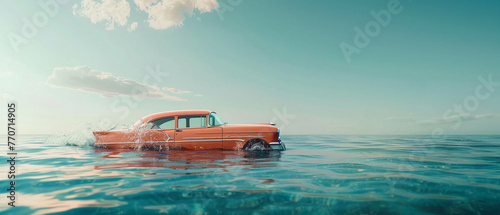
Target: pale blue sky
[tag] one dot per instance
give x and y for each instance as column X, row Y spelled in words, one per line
column 256, row 59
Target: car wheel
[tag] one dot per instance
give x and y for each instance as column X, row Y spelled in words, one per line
column 256, row 145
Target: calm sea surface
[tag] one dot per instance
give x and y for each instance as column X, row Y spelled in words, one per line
column 316, row 175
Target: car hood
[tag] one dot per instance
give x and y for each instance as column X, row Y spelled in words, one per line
column 250, row 127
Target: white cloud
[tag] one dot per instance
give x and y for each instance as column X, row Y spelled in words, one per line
column 144, row 4
column 400, row 119
column 109, row 11
column 133, row 26
column 198, row 95
column 175, row 91
column 164, row 14
column 105, row 84
column 455, row 118
column 444, row 120
column 487, row 116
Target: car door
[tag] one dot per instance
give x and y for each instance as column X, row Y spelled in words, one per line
column 192, row 132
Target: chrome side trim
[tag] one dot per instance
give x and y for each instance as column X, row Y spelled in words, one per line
column 168, row 137
column 243, row 136
column 200, row 138
column 233, row 140
column 219, row 137
column 132, row 142
column 185, row 141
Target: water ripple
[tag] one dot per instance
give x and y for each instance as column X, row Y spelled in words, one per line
column 317, row 175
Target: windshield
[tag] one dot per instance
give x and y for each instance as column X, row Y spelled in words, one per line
column 215, row 120
column 136, row 124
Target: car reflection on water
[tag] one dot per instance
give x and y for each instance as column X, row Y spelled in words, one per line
column 187, row 159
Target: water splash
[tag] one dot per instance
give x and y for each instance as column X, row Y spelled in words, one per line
column 82, row 135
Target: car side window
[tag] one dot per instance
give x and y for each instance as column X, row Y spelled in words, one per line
column 192, row 121
column 165, row 123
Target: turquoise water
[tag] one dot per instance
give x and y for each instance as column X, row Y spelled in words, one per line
column 316, row 175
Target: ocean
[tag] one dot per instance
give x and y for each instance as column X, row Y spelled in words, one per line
column 328, row 174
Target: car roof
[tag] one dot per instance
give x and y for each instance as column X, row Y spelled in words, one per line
column 175, row 113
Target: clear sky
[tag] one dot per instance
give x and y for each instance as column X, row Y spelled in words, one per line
column 313, row 67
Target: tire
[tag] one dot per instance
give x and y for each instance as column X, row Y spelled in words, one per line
column 256, row 145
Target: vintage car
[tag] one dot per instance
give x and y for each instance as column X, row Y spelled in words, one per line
column 192, row 129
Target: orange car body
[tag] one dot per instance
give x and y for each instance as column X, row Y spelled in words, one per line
column 193, row 130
